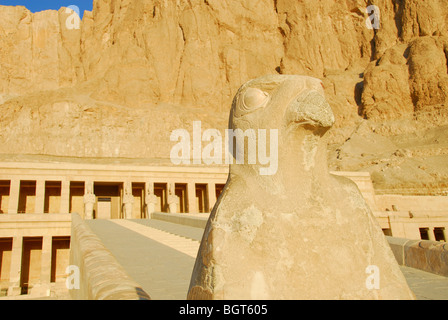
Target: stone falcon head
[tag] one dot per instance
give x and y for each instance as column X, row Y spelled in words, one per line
column 294, row 111
column 282, row 102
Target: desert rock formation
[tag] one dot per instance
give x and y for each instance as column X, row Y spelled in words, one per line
column 136, row 70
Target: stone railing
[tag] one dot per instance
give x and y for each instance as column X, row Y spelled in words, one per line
column 430, row 256
column 101, row 277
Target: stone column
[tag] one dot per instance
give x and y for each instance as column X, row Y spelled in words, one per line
column 40, row 196
column 45, row 269
column 14, row 191
column 191, row 197
column 65, row 197
column 211, row 195
column 431, row 234
column 16, row 266
column 89, row 200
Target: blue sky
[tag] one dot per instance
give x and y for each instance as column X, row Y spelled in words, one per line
column 40, row 5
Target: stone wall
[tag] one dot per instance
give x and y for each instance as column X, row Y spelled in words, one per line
column 425, row 255
column 395, row 202
column 101, row 276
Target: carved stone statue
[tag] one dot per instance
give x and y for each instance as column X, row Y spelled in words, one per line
column 150, row 201
column 172, row 200
column 89, row 202
column 301, row 232
column 128, row 202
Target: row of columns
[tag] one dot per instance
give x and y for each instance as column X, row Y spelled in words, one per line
column 150, row 198
column 89, row 197
column 15, row 272
column 14, row 194
column 191, row 198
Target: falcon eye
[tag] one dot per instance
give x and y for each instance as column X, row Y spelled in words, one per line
column 254, row 99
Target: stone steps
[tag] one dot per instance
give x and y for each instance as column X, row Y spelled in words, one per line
column 187, row 246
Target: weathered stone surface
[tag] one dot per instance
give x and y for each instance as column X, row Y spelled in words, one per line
column 300, row 233
column 408, row 78
column 38, row 52
column 403, row 157
column 429, row 256
column 386, row 93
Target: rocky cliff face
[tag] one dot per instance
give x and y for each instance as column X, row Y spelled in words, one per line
column 136, row 70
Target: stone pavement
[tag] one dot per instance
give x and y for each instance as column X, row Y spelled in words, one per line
column 159, row 261
column 425, row 285
column 160, row 256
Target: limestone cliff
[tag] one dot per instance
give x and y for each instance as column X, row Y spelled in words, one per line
column 136, row 70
